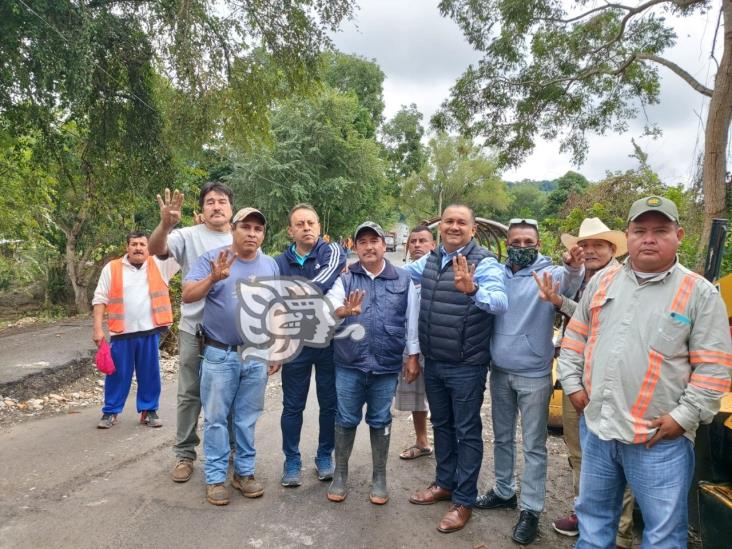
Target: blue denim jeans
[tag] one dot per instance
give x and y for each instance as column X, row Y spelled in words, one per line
column 356, row 388
column 295, row 386
column 510, row 395
column 455, row 395
column 659, row 477
column 230, row 384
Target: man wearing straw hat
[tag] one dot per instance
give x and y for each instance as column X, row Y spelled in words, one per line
column 601, row 247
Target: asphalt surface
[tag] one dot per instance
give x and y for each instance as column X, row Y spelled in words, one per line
column 38, row 350
column 67, row 484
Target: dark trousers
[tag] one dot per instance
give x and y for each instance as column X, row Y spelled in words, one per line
column 295, row 387
column 455, row 395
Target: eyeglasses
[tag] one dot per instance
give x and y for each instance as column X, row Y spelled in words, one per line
column 518, row 221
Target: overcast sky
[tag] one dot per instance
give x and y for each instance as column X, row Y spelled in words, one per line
column 422, row 54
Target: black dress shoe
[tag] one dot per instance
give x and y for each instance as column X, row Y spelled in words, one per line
column 526, row 528
column 491, row 501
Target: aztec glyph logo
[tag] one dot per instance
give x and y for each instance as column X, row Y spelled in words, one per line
column 279, row 315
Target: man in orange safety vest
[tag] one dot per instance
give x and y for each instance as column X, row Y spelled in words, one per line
column 133, row 291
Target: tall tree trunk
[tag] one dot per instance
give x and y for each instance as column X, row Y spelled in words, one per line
column 439, row 211
column 75, row 270
column 717, row 136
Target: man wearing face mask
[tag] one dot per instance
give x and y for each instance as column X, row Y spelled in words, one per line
column 520, row 380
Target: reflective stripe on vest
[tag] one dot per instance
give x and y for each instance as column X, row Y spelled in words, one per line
column 598, row 300
column 655, row 361
column 162, row 312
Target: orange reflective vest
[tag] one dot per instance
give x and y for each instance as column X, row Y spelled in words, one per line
column 162, row 312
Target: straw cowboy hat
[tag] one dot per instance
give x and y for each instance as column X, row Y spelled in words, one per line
column 593, row 228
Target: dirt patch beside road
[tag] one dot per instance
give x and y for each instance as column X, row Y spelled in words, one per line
column 63, row 391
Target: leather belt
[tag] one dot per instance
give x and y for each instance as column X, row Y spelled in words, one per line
column 219, row 345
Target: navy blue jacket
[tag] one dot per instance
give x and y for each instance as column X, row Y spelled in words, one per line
column 384, row 318
column 322, row 266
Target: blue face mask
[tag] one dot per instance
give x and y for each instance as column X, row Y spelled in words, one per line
column 522, row 257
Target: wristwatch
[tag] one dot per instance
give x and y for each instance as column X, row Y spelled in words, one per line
column 475, row 289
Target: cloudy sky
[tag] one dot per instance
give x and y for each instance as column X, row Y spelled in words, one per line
column 422, row 54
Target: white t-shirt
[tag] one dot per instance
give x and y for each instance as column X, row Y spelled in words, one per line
column 135, row 291
column 186, row 245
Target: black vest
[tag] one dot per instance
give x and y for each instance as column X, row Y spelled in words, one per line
column 451, row 328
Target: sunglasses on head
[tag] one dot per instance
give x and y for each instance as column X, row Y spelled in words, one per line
column 519, row 221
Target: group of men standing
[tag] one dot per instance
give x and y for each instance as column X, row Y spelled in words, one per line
column 645, row 358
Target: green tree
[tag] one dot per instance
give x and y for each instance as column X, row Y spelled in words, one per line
column 526, row 201
column 354, row 74
column 82, row 82
column 457, row 171
column 91, row 128
column 402, row 139
column 611, row 198
column 318, row 155
column 567, row 185
column 563, row 69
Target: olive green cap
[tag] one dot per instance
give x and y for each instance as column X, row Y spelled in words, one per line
column 653, row 204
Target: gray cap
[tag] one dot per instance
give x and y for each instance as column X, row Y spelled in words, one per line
column 246, row 212
column 371, row 226
column 653, row 204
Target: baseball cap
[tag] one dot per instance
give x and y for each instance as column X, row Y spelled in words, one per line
column 371, row 226
column 653, row 204
column 246, row 212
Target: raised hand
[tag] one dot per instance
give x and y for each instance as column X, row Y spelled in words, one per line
column 463, row 274
column 352, row 305
column 221, row 268
column 575, row 257
column 548, row 289
column 170, row 208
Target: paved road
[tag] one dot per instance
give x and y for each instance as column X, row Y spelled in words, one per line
column 67, row 484
column 44, row 349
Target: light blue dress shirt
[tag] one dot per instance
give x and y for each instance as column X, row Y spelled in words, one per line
column 489, row 276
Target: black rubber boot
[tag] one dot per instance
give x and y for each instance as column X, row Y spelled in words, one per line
column 379, row 452
column 344, row 438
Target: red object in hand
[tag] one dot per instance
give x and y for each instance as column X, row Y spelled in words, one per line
column 104, row 361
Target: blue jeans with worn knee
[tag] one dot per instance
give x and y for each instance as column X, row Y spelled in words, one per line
column 455, row 395
column 510, row 395
column 356, row 388
column 295, row 387
column 229, row 383
column 659, row 477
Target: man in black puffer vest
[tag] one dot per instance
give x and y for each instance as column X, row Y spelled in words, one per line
column 462, row 288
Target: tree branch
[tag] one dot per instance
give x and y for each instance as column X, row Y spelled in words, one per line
column 678, row 70
column 585, row 14
column 630, row 9
column 714, row 40
column 621, row 31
